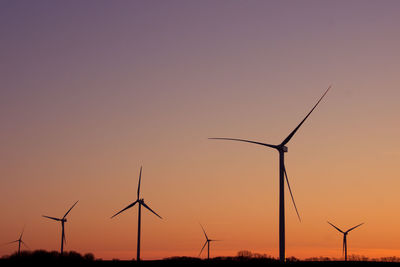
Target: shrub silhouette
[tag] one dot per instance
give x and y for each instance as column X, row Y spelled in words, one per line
column 43, row 256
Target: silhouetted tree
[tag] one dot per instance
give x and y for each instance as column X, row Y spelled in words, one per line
column 244, row 254
column 89, row 257
column 292, row 259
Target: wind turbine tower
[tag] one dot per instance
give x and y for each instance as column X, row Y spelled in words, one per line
column 208, row 241
column 63, row 220
column 282, row 149
column 345, row 237
column 19, row 240
column 141, row 203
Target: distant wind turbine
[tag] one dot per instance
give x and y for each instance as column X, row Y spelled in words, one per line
column 208, row 241
column 63, row 220
column 281, row 148
column 345, row 238
column 141, row 203
column 19, row 240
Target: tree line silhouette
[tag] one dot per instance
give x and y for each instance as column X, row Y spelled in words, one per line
column 242, row 256
column 43, row 256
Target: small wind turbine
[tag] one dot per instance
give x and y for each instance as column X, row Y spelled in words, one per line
column 345, row 238
column 208, row 241
column 19, row 240
column 63, row 220
column 282, row 149
column 141, row 203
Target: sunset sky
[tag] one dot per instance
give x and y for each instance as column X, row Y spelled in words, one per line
column 92, row 90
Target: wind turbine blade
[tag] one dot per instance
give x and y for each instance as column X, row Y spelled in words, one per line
column 23, row 229
column 203, row 247
column 290, row 191
column 70, row 210
column 242, row 140
column 10, row 242
column 24, row 244
column 336, row 228
column 56, row 219
column 147, row 207
column 204, row 231
column 129, row 206
column 140, row 178
column 298, row 126
column 354, row 227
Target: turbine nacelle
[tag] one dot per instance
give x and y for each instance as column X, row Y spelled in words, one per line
column 283, row 148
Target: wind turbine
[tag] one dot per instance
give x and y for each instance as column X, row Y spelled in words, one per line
column 345, row 238
column 208, row 241
column 19, row 240
column 281, row 148
column 141, row 203
column 63, row 220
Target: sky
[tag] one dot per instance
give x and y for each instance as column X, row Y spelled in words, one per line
column 93, row 90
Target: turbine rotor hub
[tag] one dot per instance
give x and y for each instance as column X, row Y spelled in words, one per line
column 283, row 148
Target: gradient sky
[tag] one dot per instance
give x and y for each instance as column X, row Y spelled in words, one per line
column 92, row 90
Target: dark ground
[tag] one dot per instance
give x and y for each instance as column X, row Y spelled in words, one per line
column 189, row 262
column 71, row 258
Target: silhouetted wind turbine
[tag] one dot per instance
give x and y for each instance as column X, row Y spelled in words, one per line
column 281, row 148
column 208, row 241
column 345, row 238
column 19, row 240
column 141, row 203
column 63, row 220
